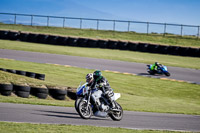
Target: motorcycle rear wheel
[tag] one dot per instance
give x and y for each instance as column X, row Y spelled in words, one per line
column 77, row 103
column 83, row 111
column 117, row 115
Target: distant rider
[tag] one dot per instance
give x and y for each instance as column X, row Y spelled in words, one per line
column 155, row 66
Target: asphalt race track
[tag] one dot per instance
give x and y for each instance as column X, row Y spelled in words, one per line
column 186, row 74
column 66, row 115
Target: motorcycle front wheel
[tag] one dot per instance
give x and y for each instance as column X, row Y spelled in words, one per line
column 117, row 115
column 83, row 111
column 167, row 73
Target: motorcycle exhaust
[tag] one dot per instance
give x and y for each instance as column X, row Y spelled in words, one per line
column 100, row 114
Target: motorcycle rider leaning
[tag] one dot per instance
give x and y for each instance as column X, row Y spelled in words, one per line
column 155, row 66
column 102, row 84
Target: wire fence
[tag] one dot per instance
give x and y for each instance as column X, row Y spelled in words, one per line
column 102, row 24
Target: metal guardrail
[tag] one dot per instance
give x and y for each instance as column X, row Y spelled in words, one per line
column 146, row 26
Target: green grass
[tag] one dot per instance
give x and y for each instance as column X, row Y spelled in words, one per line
column 11, row 127
column 130, row 56
column 101, row 34
column 138, row 93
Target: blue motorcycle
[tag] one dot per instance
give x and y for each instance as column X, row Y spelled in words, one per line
column 161, row 69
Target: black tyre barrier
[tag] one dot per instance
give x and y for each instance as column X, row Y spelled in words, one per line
column 182, row 51
column 11, row 71
column 57, row 94
column 19, row 72
column 132, row 46
column 142, row 47
column 193, row 52
column 172, row 50
column 23, row 94
column 32, row 37
column 82, row 42
column 71, row 94
column 21, row 88
column 102, row 43
column 52, row 39
column 92, row 43
column 21, row 91
column 122, row 45
column 23, row 36
column 198, row 53
column 71, row 41
column 13, row 35
column 152, row 48
column 3, row 34
column 112, row 44
column 62, row 41
column 41, row 93
column 3, row 69
column 30, row 74
column 162, row 49
column 40, row 76
column 24, row 73
column 6, row 89
column 42, row 38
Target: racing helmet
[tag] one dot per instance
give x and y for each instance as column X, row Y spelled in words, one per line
column 89, row 77
column 97, row 74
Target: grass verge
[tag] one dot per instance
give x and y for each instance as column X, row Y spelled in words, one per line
column 130, row 56
column 101, row 34
column 138, row 93
column 11, row 127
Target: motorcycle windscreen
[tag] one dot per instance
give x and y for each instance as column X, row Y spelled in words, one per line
column 80, row 89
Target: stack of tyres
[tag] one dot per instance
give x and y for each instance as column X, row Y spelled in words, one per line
column 19, row 72
column 172, row 50
column 3, row 34
column 23, row 37
column 32, row 37
column 40, row 92
column 71, row 41
column 92, row 43
column 62, row 41
column 102, row 43
column 132, row 46
column 40, row 76
column 193, row 52
column 112, row 44
column 142, row 47
column 162, row 49
column 6, row 89
column 152, row 48
column 122, row 45
column 11, row 71
column 12, row 35
column 82, row 42
column 30, row 74
column 59, row 94
column 52, row 39
column 71, row 93
column 42, row 38
column 22, row 90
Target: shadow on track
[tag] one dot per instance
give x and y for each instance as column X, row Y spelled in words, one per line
column 66, row 115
